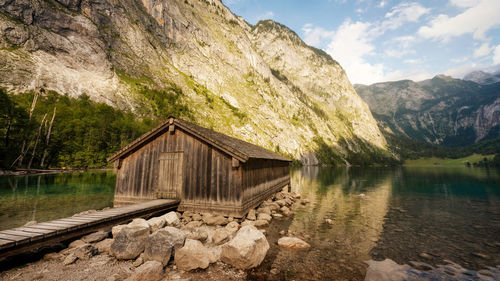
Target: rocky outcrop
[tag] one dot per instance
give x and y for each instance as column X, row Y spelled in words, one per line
column 258, row 83
column 246, row 250
column 441, row 110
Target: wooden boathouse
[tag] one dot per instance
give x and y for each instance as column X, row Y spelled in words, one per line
column 206, row 170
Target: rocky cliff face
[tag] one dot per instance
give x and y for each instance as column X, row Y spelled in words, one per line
column 441, row 110
column 258, row 83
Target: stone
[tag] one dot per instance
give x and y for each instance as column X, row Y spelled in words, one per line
column 274, row 206
column 282, row 233
column 138, row 261
column 279, row 196
column 251, row 215
column 158, row 247
column 265, row 210
column 52, row 256
column 76, row 243
column 187, row 214
column 71, row 258
column 263, row 231
column 281, row 202
column 196, row 217
column 277, row 215
column 296, row 195
column 246, row 250
column 264, row 216
column 286, row 211
column 274, row 271
column 260, row 223
column 232, row 228
column 304, row 201
column 151, row 271
column 142, row 223
column 425, row 256
column 95, row 237
column 288, row 202
column 115, row 229
column 329, row 221
column 247, row 222
column 104, row 245
column 85, row 252
column 119, row 276
column 293, row 243
column 210, row 219
column 198, row 234
column 130, row 242
column 171, row 219
column 156, row 223
column 220, row 236
column 194, row 224
column 193, row 255
column 175, row 236
column 214, row 254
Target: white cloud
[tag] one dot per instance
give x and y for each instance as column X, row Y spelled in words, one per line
column 413, row 61
column 496, row 55
column 482, row 50
column 382, row 4
column 460, row 59
column 315, row 35
column 266, row 16
column 476, row 20
column 402, row 13
column 465, row 3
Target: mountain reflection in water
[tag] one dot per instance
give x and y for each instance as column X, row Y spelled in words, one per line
column 432, row 222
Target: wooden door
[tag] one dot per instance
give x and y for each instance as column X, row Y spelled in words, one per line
column 170, row 175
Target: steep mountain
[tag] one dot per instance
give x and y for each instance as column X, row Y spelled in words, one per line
column 482, row 77
column 257, row 83
column 441, row 110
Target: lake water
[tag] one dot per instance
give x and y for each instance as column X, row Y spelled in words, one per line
column 53, row 196
column 407, row 223
column 415, row 223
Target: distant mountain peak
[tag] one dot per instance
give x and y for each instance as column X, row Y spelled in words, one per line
column 482, row 77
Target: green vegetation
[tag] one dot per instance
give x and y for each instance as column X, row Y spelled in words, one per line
column 464, row 161
column 83, row 134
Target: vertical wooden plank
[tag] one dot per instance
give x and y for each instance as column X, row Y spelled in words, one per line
column 208, row 186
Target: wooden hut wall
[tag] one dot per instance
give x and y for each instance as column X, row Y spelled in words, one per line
column 262, row 178
column 209, row 181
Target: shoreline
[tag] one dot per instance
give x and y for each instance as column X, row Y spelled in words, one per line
column 212, row 232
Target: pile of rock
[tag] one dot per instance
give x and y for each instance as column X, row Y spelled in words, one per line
column 189, row 240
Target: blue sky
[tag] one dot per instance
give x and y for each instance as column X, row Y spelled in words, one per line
column 387, row 40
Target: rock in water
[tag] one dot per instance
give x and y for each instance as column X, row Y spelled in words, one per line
column 96, row 236
column 246, row 250
column 158, row 247
column 293, row 243
column 130, row 241
column 150, row 271
column 193, row 255
column 171, row 219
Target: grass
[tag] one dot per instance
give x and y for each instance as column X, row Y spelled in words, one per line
column 448, row 162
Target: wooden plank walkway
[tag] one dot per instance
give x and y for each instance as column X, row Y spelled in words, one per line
column 26, row 238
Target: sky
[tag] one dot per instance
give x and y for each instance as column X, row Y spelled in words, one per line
column 388, row 40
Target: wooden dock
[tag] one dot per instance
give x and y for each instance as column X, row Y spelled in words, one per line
column 22, row 239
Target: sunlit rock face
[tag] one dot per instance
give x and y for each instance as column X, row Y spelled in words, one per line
column 258, row 83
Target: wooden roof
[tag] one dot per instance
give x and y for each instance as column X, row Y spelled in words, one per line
column 239, row 149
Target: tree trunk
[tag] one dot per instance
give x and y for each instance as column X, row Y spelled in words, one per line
column 47, row 139
column 36, row 142
column 25, row 149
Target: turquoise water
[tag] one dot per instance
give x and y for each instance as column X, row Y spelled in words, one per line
column 52, row 196
column 417, row 223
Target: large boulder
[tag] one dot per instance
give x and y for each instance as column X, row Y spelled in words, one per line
column 171, row 219
column 246, row 250
column 175, row 236
column 156, row 223
column 130, row 241
column 116, row 229
column 151, row 271
column 158, row 247
column 140, row 223
column 193, row 255
column 293, row 243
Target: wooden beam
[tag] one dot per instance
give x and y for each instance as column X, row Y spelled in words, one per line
column 236, row 163
column 171, row 129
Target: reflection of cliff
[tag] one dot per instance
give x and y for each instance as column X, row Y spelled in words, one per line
column 358, row 220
